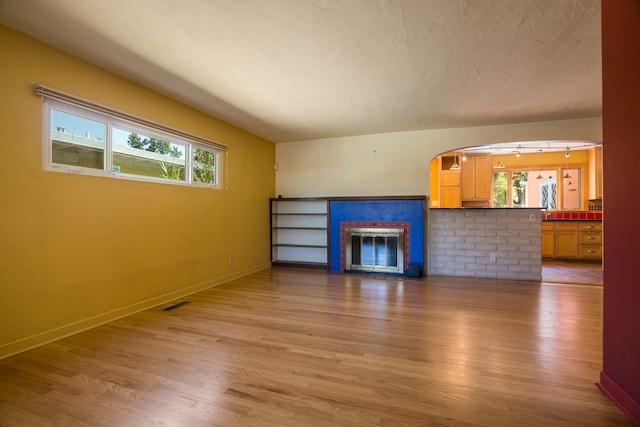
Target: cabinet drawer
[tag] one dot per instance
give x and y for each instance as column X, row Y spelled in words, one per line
column 547, row 226
column 590, row 238
column 590, row 251
column 590, row 226
column 566, row 226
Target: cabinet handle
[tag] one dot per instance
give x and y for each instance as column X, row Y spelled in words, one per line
column 589, row 227
column 590, row 251
column 590, row 238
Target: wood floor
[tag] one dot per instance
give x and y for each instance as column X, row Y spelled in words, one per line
column 575, row 272
column 288, row 347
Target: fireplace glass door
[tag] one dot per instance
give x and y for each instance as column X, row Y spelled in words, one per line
column 375, row 251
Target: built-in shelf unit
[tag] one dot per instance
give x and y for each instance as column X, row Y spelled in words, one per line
column 299, row 232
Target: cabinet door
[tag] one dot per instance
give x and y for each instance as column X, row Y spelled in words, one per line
column 450, row 197
column 566, row 244
column 483, row 177
column 598, row 173
column 450, row 189
column 547, row 243
column 449, row 178
column 469, row 179
column 476, row 178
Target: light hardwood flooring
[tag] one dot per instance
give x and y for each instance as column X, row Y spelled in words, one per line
column 573, row 272
column 287, row 347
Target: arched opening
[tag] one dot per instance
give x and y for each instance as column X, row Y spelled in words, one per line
column 561, row 178
column 553, row 175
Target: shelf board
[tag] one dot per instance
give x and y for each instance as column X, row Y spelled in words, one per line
column 301, row 264
column 300, row 213
column 299, row 228
column 293, row 245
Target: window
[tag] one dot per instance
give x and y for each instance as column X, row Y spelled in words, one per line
column 525, row 188
column 77, row 141
column 500, row 189
column 147, row 155
column 87, row 138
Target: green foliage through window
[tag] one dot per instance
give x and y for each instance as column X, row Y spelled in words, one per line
column 204, row 166
column 500, row 189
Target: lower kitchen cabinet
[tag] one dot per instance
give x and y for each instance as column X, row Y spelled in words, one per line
column 590, row 240
column 572, row 239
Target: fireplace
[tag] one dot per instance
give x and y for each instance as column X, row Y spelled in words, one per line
column 374, row 247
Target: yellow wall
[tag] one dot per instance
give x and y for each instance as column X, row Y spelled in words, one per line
column 80, row 250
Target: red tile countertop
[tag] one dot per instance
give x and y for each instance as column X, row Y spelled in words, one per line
column 572, row 216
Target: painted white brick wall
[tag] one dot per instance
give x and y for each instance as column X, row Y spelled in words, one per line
column 487, row 243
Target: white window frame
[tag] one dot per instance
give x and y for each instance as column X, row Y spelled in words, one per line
column 54, row 100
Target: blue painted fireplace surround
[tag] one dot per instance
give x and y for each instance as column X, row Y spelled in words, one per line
column 409, row 211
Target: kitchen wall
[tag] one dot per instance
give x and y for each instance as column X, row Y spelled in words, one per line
column 80, row 250
column 394, row 164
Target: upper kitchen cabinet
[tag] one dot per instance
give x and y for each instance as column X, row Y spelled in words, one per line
column 450, row 188
column 595, row 173
column 476, row 178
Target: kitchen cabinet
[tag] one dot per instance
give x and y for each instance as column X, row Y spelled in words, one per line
column 450, row 188
column 595, row 173
column 566, row 242
column 590, row 240
column 476, row 178
column 572, row 240
column 598, row 173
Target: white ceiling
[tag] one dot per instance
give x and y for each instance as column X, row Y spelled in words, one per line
column 292, row 70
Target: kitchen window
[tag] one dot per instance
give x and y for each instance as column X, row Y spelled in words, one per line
column 525, row 188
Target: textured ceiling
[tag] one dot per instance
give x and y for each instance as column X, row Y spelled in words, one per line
column 303, row 69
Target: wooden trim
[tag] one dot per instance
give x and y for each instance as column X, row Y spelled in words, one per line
column 621, row 398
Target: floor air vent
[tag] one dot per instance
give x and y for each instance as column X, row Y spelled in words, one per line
column 174, row 306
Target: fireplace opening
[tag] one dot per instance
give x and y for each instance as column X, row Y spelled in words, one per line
column 374, row 250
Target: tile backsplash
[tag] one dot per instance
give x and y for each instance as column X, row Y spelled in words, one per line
column 572, row 215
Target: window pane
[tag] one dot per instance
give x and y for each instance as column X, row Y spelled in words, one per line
column 519, row 181
column 145, row 155
column 77, row 141
column 500, row 186
column 204, row 166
